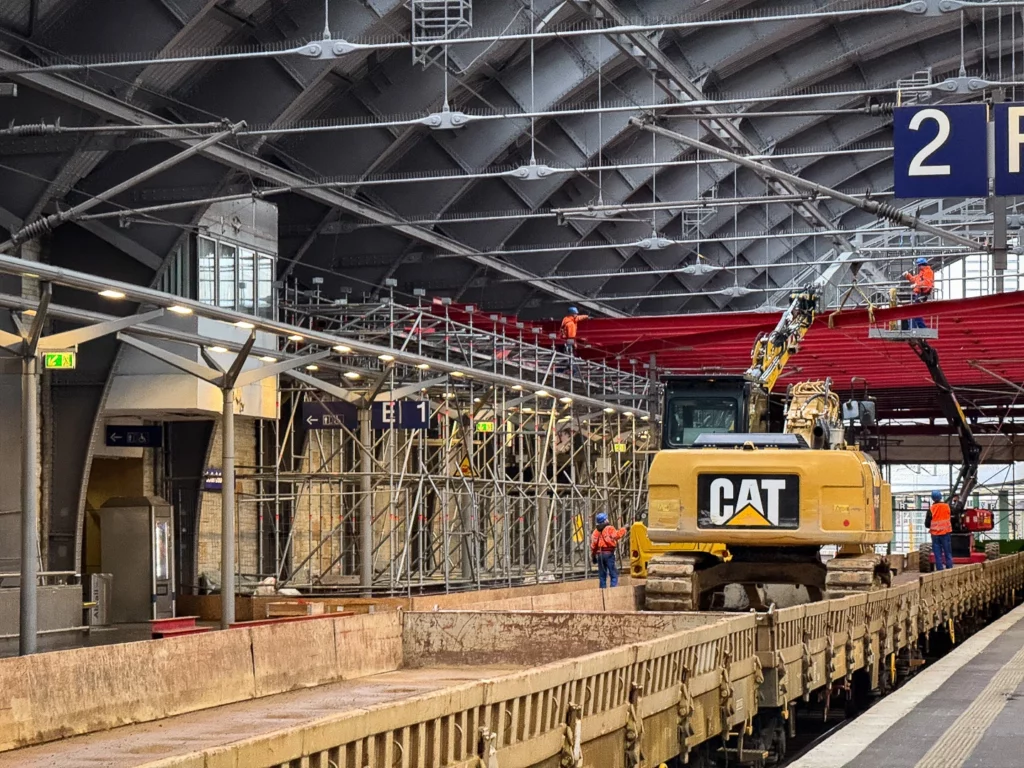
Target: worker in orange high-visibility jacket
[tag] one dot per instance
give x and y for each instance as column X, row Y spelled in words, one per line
column 570, row 325
column 940, row 525
column 922, row 282
column 602, row 550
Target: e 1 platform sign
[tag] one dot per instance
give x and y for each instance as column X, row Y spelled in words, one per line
column 400, row 414
column 1009, row 149
column 941, row 151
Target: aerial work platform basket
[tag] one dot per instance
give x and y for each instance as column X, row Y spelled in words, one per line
column 903, row 330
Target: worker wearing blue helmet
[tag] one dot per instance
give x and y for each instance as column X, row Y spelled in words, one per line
column 602, row 550
column 570, row 325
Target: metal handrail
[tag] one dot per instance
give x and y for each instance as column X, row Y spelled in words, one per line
column 42, row 575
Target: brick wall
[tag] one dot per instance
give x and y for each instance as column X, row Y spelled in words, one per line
column 246, row 515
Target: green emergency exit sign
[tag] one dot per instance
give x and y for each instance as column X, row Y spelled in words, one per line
column 485, row 426
column 59, row 361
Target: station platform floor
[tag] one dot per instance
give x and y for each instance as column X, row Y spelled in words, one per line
column 964, row 711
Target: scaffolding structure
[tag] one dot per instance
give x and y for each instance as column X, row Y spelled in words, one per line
column 502, row 485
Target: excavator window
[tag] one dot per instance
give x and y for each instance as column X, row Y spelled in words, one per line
column 691, row 417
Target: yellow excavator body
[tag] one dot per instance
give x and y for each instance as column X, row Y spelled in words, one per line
column 771, row 503
column 767, row 497
column 642, row 549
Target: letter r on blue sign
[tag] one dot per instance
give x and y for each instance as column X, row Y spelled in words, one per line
column 1009, row 138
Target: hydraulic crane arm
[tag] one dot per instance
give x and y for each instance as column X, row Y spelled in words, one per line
column 772, row 350
column 951, row 410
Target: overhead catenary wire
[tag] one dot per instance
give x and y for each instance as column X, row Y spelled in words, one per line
column 882, row 210
column 332, row 49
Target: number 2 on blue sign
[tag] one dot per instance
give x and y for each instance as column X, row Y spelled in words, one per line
column 940, row 151
column 917, row 166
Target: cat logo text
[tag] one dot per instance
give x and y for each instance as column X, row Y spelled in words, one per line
column 748, row 501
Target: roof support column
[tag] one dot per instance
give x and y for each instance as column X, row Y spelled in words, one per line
column 227, row 380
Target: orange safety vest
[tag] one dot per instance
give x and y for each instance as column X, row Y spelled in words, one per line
column 605, row 539
column 923, row 280
column 941, row 521
column 570, row 324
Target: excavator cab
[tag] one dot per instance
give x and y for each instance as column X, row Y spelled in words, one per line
column 701, row 405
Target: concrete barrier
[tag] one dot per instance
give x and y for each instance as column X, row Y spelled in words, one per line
column 368, row 645
column 552, row 602
column 522, row 715
column 456, row 638
column 627, row 598
column 54, row 695
column 294, row 655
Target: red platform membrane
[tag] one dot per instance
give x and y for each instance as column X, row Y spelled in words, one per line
column 987, row 331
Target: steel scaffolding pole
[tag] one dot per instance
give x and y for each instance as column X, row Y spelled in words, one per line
column 366, row 503
column 29, row 611
column 227, row 510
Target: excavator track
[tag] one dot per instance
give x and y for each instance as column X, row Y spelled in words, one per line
column 856, row 574
column 673, row 582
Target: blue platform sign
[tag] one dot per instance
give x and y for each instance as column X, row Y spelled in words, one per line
column 400, row 414
column 333, row 414
column 940, row 151
column 1009, row 149
column 132, row 436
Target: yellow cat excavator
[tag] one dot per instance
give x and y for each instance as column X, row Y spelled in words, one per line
column 735, row 499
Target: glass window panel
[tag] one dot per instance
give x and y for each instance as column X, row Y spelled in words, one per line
column 207, row 270
column 226, row 273
column 246, row 279
column 162, row 551
column 689, row 418
column 265, row 287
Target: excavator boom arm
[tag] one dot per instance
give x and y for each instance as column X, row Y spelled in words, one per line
column 772, row 350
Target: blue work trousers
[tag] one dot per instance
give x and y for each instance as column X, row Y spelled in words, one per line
column 607, row 570
column 918, row 322
column 942, row 546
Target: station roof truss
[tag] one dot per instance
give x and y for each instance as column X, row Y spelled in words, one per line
column 494, row 163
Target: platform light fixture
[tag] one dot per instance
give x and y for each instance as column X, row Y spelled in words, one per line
column 179, row 310
column 341, row 348
column 268, row 359
column 312, row 367
column 609, row 410
column 386, row 358
column 219, row 350
column 295, row 337
column 517, row 387
column 566, row 400
column 109, row 293
column 543, row 393
column 244, row 324
column 423, row 366
column 351, row 375
column 457, row 374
